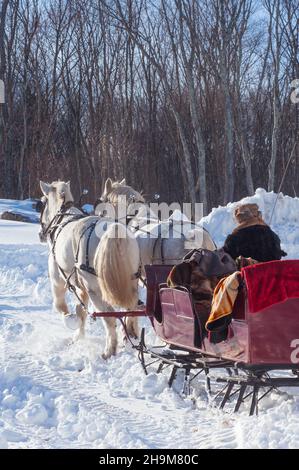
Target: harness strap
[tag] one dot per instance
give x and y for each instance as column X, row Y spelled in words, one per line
column 86, row 267
column 137, row 275
column 59, row 227
column 71, row 287
column 61, row 213
column 53, row 230
column 160, row 240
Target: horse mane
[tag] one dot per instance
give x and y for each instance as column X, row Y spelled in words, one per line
column 122, row 190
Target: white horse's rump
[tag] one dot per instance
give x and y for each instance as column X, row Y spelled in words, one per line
column 117, row 259
column 76, row 250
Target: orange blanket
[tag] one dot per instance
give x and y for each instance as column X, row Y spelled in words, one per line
column 224, row 298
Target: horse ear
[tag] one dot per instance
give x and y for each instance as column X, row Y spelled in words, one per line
column 45, row 187
column 108, row 186
column 123, row 182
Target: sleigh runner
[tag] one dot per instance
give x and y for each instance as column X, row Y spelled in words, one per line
column 262, row 337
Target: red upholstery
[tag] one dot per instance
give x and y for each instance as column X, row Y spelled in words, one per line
column 271, row 283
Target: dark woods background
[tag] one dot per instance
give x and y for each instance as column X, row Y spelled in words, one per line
column 188, row 98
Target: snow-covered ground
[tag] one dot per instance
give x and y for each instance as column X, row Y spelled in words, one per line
column 54, row 394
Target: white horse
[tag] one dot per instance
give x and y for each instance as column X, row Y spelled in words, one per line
column 87, row 254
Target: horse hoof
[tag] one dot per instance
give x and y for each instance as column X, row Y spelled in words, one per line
column 72, row 321
column 129, row 334
column 134, row 336
column 107, row 355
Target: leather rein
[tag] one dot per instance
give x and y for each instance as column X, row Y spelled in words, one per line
column 55, row 222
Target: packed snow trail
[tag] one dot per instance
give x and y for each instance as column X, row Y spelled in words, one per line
column 54, row 394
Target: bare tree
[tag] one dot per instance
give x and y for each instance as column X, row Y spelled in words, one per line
column 189, row 98
column 3, row 106
column 273, row 8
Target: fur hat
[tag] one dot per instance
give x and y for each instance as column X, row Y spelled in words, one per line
column 247, row 215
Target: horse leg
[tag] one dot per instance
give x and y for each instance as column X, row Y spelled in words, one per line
column 109, row 324
column 59, row 290
column 58, row 287
column 71, row 321
column 132, row 327
column 111, row 337
column 81, row 313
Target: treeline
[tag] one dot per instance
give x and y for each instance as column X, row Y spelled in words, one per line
column 187, row 98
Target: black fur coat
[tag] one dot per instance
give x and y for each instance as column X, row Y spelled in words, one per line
column 256, row 241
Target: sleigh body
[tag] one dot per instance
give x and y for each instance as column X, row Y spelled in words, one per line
column 263, row 332
column 261, row 350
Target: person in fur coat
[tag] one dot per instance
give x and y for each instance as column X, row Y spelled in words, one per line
column 253, row 238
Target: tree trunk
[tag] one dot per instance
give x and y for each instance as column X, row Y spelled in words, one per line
column 276, row 54
column 199, row 141
column 229, row 178
column 274, row 143
column 187, row 155
column 244, row 147
column 5, row 155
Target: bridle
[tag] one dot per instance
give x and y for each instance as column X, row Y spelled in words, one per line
column 128, row 217
column 48, row 229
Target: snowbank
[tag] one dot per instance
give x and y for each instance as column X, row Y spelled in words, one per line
column 285, row 220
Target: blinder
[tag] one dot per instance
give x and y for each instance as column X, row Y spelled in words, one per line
column 40, row 207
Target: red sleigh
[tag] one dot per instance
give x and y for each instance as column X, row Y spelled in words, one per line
column 263, row 335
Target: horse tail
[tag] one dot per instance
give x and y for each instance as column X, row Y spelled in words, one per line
column 117, row 262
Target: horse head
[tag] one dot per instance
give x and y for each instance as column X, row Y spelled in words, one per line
column 119, row 200
column 57, row 197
